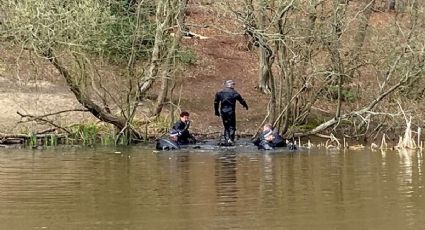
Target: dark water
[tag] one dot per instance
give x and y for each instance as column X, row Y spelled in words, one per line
column 89, row 188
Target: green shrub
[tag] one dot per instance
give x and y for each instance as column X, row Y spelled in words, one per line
column 86, row 134
column 347, row 94
column 187, row 57
column 106, row 28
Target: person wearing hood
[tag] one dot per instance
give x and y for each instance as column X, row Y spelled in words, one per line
column 169, row 144
column 225, row 107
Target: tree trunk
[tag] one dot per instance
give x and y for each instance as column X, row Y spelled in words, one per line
column 166, row 73
column 264, row 74
column 265, row 52
column 273, row 104
column 391, row 4
column 337, row 62
column 360, row 36
column 85, row 101
column 286, row 71
column 163, row 23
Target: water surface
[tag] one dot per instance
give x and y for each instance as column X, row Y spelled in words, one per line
column 137, row 188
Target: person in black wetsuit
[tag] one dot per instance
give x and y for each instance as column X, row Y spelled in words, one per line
column 169, row 144
column 224, row 106
column 269, row 138
column 182, row 127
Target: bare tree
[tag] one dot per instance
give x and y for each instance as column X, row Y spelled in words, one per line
column 254, row 20
column 73, row 36
column 167, row 73
column 324, row 49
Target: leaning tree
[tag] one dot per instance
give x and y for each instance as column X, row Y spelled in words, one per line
column 79, row 37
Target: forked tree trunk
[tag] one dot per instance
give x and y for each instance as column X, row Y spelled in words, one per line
column 163, row 20
column 285, row 81
column 167, row 68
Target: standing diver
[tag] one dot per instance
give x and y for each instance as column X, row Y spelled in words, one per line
column 226, row 101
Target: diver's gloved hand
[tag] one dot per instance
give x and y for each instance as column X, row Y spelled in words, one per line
column 217, row 113
column 246, row 107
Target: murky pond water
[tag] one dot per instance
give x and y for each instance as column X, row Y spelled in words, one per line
column 97, row 188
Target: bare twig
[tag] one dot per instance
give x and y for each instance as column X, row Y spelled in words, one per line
column 35, row 118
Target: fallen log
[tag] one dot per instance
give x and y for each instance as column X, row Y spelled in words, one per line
column 13, row 139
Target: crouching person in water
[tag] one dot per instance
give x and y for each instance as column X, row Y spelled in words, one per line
column 169, row 144
column 269, row 139
column 182, row 128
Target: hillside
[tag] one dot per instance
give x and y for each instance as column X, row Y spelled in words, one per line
column 30, row 85
column 221, row 57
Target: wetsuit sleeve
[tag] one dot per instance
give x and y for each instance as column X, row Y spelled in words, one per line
column 179, row 126
column 242, row 101
column 217, row 104
column 257, row 140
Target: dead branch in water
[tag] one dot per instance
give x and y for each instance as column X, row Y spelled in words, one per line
column 406, row 142
column 359, row 113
